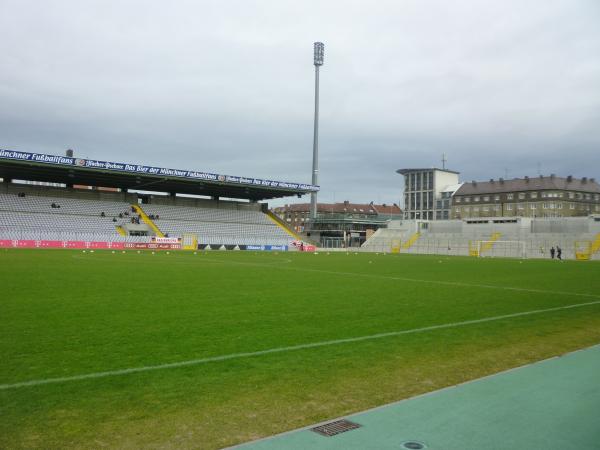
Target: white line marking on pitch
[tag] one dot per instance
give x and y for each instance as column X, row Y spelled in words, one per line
column 194, row 362
column 382, row 277
column 412, row 280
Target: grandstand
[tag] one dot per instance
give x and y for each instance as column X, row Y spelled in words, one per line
column 33, row 217
column 494, row 237
column 60, row 216
column 226, row 226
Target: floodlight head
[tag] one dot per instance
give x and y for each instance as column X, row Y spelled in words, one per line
column 319, row 53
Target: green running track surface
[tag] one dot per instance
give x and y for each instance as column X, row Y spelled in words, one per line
column 550, row 405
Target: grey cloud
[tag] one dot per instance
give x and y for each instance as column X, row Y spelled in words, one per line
column 228, row 87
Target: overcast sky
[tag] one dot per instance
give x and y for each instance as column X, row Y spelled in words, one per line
column 227, row 86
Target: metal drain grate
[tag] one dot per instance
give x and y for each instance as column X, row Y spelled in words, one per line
column 413, row 445
column 337, row 427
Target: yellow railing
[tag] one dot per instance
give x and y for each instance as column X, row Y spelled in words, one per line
column 473, row 249
column 281, row 225
column 487, row 245
column 596, row 244
column 478, row 247
column 408, row 244
column 121, row 230
column 147, row 220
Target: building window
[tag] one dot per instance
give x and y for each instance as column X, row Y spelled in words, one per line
column 520, row 206
column 509, row 196
column 559, row 206
column 532, row 206
column 475, row 208
column 533, row 195
column 476, row 198
column 588, row 197
column 571, row 205
column 467, row 199
column 509, row 207
column 521, row 195
column 486, row 198
column 457, row 199
column 485, row 209
column 496, row 197
column 571, row 195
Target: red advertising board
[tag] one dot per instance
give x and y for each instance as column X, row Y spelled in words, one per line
column 302, row 247
column 152, row 246
column 8, row 243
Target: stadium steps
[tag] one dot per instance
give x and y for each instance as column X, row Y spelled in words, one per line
column 277, row 221
column 147, row 220
column 408, row 244
column 121, row 230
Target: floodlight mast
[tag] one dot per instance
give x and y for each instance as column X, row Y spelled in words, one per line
column 319, row 54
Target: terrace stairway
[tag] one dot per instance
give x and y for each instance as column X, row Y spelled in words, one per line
column 148, row 221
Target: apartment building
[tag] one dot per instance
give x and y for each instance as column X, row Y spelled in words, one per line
column 541, row 196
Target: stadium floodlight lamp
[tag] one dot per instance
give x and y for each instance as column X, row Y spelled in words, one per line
column 319, row 53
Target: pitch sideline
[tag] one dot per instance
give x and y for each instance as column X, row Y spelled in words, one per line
column 383, row 277
column 281, row 349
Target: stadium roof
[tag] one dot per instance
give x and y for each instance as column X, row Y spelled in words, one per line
column 406, row 171
column 345, row 207
column 69, row 170
column 452, row 187
column 529, row 184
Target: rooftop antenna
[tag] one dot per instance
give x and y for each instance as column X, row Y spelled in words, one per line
column 444, row 161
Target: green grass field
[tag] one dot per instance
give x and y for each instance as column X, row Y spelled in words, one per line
column 67, row 313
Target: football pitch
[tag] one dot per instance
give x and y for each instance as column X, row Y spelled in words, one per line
column 207, row 350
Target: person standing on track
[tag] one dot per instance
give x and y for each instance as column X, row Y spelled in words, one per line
column 552, row 252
